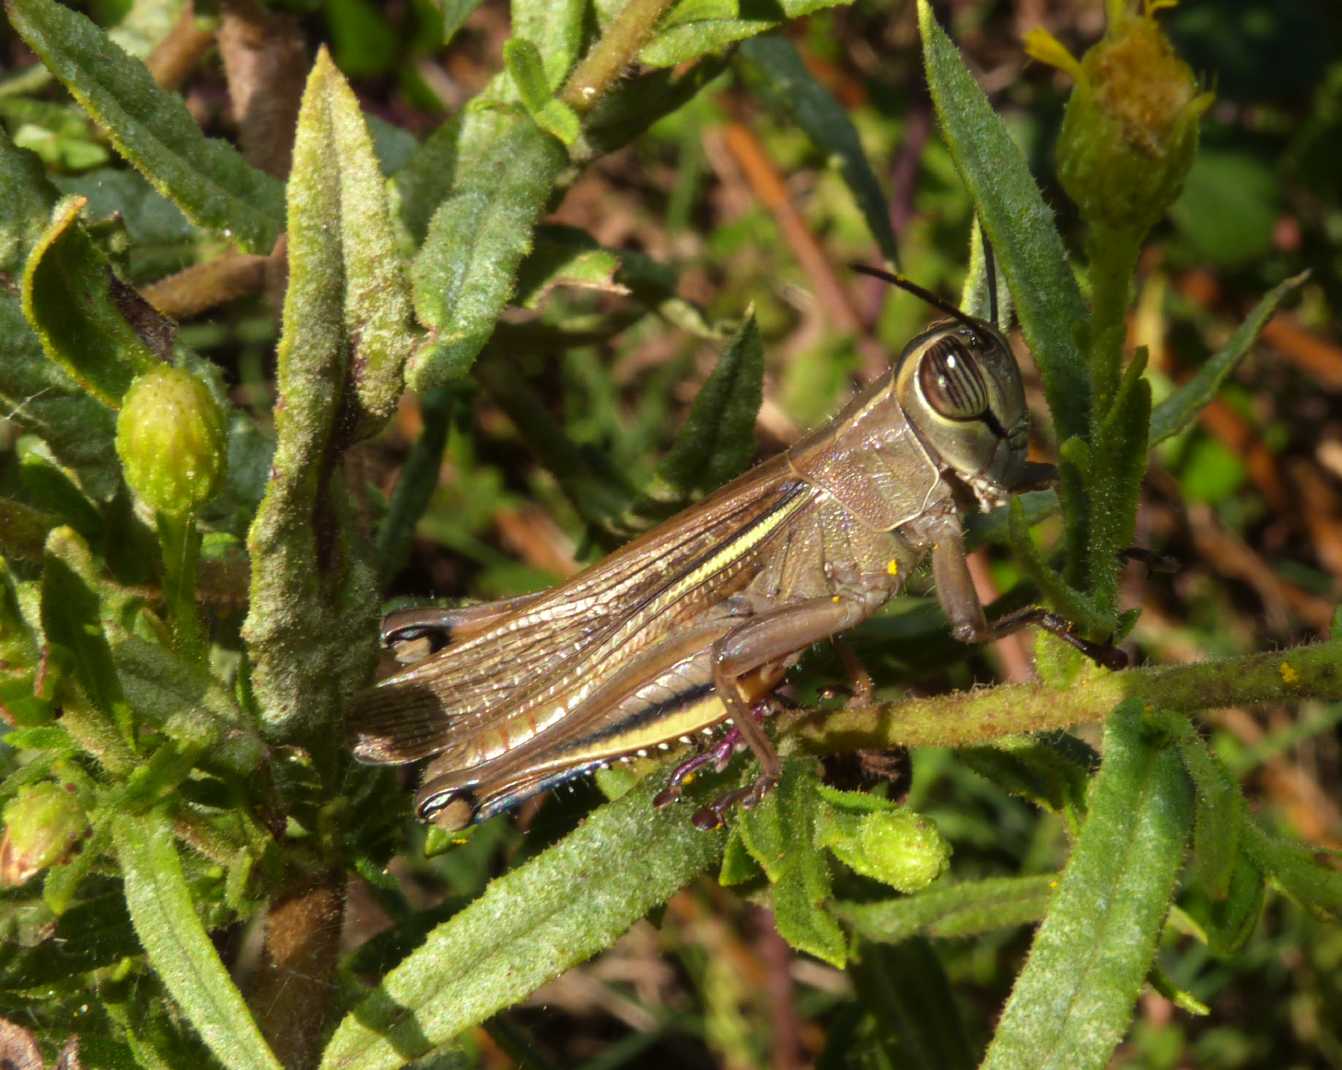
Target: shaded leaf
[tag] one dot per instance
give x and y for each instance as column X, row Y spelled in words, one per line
column 1072, row 1003
column 1020, row 225
column 555, row 27
column 80, row 309
column 777, row 72
column 779, row 833
column 523, row 62
column 1178, row 411
column 717, row 440
column 1219, row 816
column 206, row 177
column 178, row 946
column 906, row 988
column 1295, row 867
column 464, row 273
column 529, row 926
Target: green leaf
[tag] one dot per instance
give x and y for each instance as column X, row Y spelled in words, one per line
column 311, row 622
column 27, row 198
column 717, row 440
column 690, row 40
column 1052, row 771
column 1118, row 464
column 566, row 256
column 465, row 271
column 1219, row 815
column 427, row 177
column 523, row 62
column 967, row 908
column 1295, row 867
column 340, row 232
column 529, row 926
column 775, row 70
column 1072, row 1003
column 455, row 14
column 1178, row 411
column 555, row 27
column 72, row 620
column 1019, row 224
column 1227, row 921
column 634, row 104
column 91, row 934
column 205, row 177
column 82, row 312
column 779, row 833
column 178, row 946
column 906, row 988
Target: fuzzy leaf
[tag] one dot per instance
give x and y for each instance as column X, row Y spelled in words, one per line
column 529, row 926
column 690, row 40
column 1178, row 411
column 527, row 70
column 80, row 309
column 205, row 177
column 1053, row 771
column 1219, row 816
column 779, row 833
column 465, row 271
column 967, row 908
column 777, row 73
column 178, row 946
column 1293, row 865
column 1017, row 221
column 345, row 226
column 555, row 27
column 905, row 987
column 634, row 104
column 717, row 440
column 1072, row 1003
column 313, row 604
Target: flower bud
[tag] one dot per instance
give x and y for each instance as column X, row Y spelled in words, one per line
column 43, row 824
column 171, row 440
column 904, row 850
column 1130, row 130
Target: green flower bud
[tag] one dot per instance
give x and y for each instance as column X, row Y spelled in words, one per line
column 904, row 850
column 43, row 825
column 1130, row 130
column 171, row 440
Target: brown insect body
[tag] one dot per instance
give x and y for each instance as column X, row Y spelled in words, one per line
column 692, row 622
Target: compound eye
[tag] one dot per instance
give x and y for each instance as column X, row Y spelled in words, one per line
column 952, row 381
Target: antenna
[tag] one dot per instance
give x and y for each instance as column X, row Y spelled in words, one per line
column 926, row 295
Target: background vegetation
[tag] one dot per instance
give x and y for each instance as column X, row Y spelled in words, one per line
column 583, row 276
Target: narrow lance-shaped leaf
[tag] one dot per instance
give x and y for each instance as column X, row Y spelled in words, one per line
column 1017, row 221
column 717, row 440
column 151, row 127
column 529, row 926
column 79, row 309
column 465, row 271
column 178, row 946
column 906, row 988
column 1073, row 1001
column 349, row 193
column 313, row 600
column 1178, row 411
column 777, row 72
column 967, row 908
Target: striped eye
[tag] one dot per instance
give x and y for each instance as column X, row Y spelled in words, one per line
column 952, row 382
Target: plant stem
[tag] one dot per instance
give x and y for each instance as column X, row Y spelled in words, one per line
column 616, row 49
column 970, row 717
column 1113, row 262
column 180, row 544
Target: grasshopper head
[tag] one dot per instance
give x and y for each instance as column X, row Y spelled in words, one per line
column 960, row 389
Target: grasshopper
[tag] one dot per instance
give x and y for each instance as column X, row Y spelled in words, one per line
column 696, row 622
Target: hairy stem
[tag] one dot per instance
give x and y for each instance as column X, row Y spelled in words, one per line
column 970, row 717
column 616, row 49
